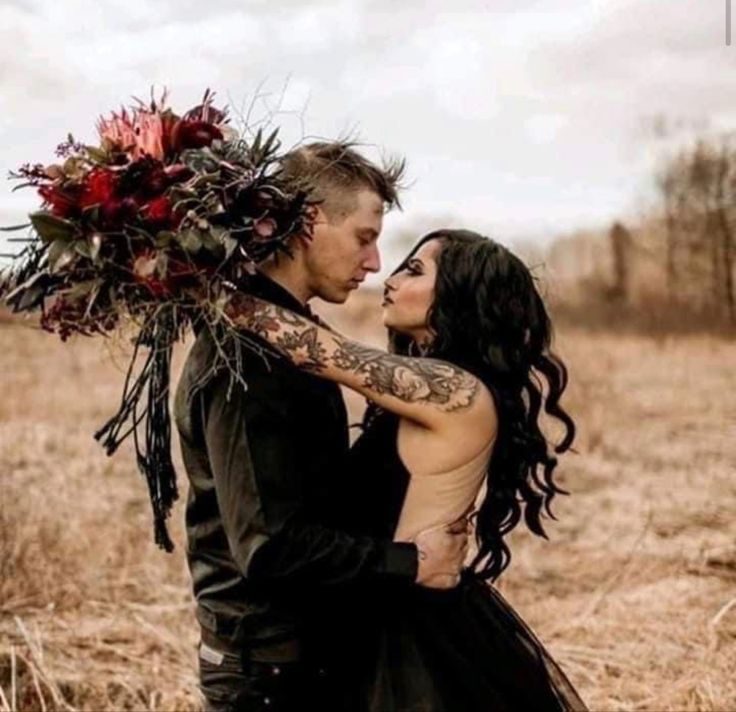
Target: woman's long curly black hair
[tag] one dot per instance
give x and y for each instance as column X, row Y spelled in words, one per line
column 488, row 318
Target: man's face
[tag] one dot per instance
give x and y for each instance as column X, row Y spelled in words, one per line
column 342, row 252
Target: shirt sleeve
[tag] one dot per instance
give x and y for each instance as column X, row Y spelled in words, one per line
column 259, row 485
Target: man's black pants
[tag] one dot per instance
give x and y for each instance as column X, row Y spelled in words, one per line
column 232, row 681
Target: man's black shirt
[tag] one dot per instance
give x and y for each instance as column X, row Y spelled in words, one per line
column 267, row 514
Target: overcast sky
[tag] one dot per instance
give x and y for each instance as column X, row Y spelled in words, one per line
column 520, row 118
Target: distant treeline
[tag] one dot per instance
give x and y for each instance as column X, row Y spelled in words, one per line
column 673, row 269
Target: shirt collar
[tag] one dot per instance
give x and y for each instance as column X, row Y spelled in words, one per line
column 262, row 286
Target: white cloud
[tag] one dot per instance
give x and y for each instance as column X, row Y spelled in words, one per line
column 544, row 128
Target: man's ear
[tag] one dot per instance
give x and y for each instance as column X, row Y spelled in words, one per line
column 314, row 213
column 316, row 216
column 316, row 220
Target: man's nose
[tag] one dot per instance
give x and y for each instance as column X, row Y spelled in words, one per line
column 372, row 261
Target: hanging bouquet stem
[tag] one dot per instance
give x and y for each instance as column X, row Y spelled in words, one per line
column 158, row 224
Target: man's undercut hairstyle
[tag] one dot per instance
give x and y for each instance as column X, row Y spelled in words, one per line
column 334, row 172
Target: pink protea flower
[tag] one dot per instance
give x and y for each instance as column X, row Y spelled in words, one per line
column 118, row 130
column 139, row 133
column 149, row 135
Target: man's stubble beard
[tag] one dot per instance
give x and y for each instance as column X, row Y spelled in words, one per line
column 338, row 297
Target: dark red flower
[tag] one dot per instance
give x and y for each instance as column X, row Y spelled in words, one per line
column 98, row 187
column 159, row 210
column 145, row 177
column 115, row 212
column 155, row 181
column 61, row 202
column 193, row 134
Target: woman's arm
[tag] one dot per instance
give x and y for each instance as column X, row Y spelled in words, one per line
column 424, row 390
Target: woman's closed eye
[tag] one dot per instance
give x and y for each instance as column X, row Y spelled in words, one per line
column 413, row 268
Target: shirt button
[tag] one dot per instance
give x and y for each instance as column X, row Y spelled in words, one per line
column 266, row 701
column 275, row 670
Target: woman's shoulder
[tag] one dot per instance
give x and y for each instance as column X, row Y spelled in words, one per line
column 458, row 437
column 478, row 415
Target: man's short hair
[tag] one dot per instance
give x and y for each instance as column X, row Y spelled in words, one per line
column 333, row 172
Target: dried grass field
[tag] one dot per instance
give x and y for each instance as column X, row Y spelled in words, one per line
column 634, row 594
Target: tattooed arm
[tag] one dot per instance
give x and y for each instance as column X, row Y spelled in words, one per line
column 424, row 390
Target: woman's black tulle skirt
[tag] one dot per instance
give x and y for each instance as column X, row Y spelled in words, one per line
column 459, row 650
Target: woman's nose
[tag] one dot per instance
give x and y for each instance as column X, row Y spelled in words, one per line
column 388, row 285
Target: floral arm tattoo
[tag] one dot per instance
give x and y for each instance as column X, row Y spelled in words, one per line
column 376, row 373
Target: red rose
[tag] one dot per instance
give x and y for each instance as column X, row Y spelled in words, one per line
column 98, row 187
column 194, row 134
column 159, row 210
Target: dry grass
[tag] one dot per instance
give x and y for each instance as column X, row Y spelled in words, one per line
column 634, row 595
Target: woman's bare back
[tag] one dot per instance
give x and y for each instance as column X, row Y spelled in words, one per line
column 447, row 475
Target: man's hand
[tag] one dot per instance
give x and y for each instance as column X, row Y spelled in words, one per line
column 442, row 552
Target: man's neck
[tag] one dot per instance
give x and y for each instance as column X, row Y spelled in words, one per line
column 289, row 279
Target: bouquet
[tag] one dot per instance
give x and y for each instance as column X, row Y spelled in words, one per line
column 155, row 226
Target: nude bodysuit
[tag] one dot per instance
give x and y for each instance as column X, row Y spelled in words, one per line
column 441, row 498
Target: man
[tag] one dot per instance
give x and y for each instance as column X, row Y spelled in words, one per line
column 269, row 548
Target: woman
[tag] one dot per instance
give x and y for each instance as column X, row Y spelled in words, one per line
column 452, row 428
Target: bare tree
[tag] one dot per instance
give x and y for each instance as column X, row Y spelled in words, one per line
column 620, row 239
column 698, row 191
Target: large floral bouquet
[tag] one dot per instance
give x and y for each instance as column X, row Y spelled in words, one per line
column 153, row 226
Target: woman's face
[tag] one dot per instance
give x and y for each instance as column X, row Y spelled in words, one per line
column 409, row 294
